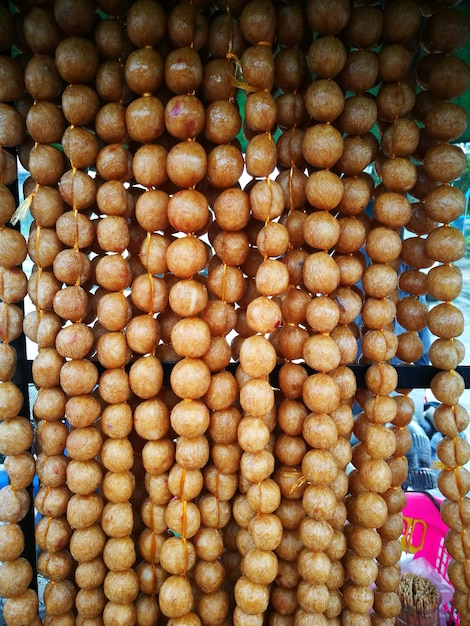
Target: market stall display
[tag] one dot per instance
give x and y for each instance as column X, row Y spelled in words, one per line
column 218, row 194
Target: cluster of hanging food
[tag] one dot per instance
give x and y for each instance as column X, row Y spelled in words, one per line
column 199, row 174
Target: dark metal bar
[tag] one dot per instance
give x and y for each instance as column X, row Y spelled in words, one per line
column 409, row 376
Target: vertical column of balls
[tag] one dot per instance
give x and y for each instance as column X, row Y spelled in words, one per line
column 74, row 342
column 268, row 238
column 442, row 163
column 146, row 24
column 342, row 452
column 228, row 202
column 289, row 448
column 220, row 485
column 400, row 138
column 260, row 528
column 221, row 478
column 290, row 79
column 189, row 335
column 324, row 317
column 16, row 431
column 392, row 208
column 332, row 58
column 113, row 275
column 373, row 456
column 323, row 466
column 120, row 584
column 187, row 211
column 45, row 122
column 256, row 68
column 189, row 418
column 84, row 442
column 278, row 238
column 386, row 602
column 320, row 232
column 114, row 164
column 53, row 496
column 115, row 198
column 44, row 85
column 259, row 561
column 374, row 476
column 356, row 71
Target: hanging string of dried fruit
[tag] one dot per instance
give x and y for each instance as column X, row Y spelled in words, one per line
column 224, row 169
column 358, row 117
column 251, row 481
column 188, row 334
column 392, row 208
column 75, row 340
column 261, row 528
column 16, row 431
column 231, row 211
column 113, row 275
column 44, row 245
column 52, row 531
column 321, row 545
column 444, row 76
column 146, row 414
column 283, row 239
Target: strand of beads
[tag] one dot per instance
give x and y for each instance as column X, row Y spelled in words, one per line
column 445, row 245
column 189, row 335
column 318, row 563
column 75, row 341
column 399, row 177
column 46, row 205
column 16, row 431
column 259, row 565
column 231, row 212
column 135, row 420
column 221, row 483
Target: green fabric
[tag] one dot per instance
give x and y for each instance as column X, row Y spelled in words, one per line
column 464, row 100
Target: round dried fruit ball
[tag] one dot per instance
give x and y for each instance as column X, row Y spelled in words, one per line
column 145, row 119
column 324, row 100
column 251, row 597
column 12, row 126
column 445, row 244
column 183, row 70
column 383, row 245
column 144, row 71
column 146, row 376
column 324, row 189
column 444, row 162
column 25, row 604
column 360, row 71
column 445, row 320
column 321, row 230
column 321, row 393
column 327, row 56
column 321, row 352
column 328, row 18
column 145, row 23
column 190, row 378
column 222, row 122
column 322, row 145
column 257, row 356
column 258, row 67
column 257, row 397
column 76, row 60
column 320, row 273
column 446, row 354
